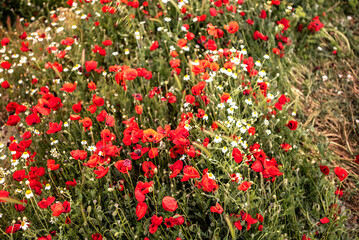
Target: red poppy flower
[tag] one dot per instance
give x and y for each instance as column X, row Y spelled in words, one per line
column 71, row 183
column 141, row 210
column 13, row 228
column 237, row 155
column 260, row 217
column 138, row 109
column 324, row 169
column 98, row 101
column 57, row 209
column 79, row 154
column 54, row 127
column 217, row 209
column 5, row 84
column 315, row 25
column 142, row 189
column 101, row 171
column 169, row 204
column 48, row 237
column 130, row 74
column 90, row 65
column 244, row 186
column 155, row 222
column 249, row 219
column 3, row 195
column 107, row 42
column 87, row 123
column 124, row 166
column 232, row 27
column 68, row 41
column 149, row 168
column 324, row 220
column 154, row 46
column 32, row 119
column 153, row 153
column 75, row 117
column 252, row 131
column 51, row 165
column 96, row 236
column 91, row 85
column 19, row 175
column 341, row 173
column 77, row 107
column 5, row 41
column 138, row 152
column 5, row 65
column 68, row 87
column 292, row 125
column 13, row 120
column 149, row 135
column 189, row 172
column 176, row 168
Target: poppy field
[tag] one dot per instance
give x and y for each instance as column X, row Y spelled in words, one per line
column 165, row 119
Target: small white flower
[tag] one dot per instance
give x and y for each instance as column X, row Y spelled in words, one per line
column 91, row 148
column 84, row 142
column 211, row 176
column 209, row 80
column 268, row 132
column 24, row 225
column 25, row 155
column 14, row 162
column 255, row 114
column 243, row 129
column 47, row 186
column 217, row 139
column 230, row 119
column 224, row 149
column 59, row 29
column 186, row 78
column 266, row 56
column 221, row 105
column 29, row 194
column 266, row 122
column 230, row 110
column 248, row 101
column 270, row 96
column 262, row 73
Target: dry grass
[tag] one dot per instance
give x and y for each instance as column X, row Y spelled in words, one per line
column 331, row 107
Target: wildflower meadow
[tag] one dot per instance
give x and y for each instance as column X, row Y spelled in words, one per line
column 165, row 119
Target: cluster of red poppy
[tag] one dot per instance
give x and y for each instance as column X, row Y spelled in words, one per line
column 155, row 170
